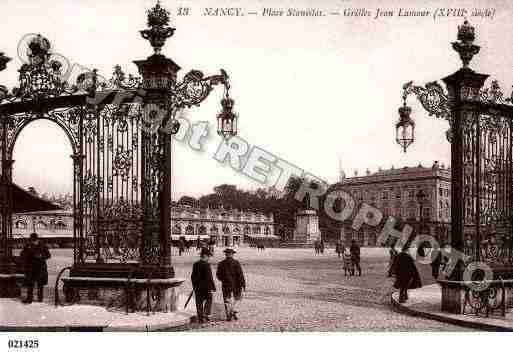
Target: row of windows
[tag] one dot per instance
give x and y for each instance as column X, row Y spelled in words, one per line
column 385, row 195
column 40, row 225
column 203, row 230
column 222, row 216
column 406, row 212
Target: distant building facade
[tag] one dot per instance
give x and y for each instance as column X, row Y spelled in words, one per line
column 58, row 223
column 226, row 227
column 394, row 193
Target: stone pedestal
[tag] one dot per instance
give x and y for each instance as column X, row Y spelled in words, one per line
column 307, row 228
column 157, row 295
column 453, row 296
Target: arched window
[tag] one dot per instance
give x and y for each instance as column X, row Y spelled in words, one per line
column 189, row 229
column 177, row 229
column 60, row 225
column 20, row 224
column 41, row 225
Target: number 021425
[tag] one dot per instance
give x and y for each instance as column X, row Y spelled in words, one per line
column 23, row 344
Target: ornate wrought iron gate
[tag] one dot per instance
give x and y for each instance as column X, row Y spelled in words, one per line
column 120, row 132
column 107, row 141
column 488, row 183
column 481, row 137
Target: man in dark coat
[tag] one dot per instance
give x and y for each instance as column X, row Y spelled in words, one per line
column 229, row 272
column 355, row 256
column 203, row 285
column 406, row 274
column 34, row 256
column 393, row 254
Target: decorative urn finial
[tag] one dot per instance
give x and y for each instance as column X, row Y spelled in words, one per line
column 465, row 44
column 159, row 31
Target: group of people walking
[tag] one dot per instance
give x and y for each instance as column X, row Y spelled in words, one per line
column 229, row 273
column 184, row 246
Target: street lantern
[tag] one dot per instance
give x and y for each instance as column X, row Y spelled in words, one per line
column 227, row 119
column 405, row 127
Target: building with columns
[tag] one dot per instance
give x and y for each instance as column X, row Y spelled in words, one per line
column 394, row 192
column 226, row 227
column 57, row 223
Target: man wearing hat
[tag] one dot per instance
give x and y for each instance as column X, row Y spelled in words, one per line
column 229, row 272
column 203, row 285
column 34, row 255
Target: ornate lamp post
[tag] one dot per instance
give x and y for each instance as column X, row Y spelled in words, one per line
column 463, row 85
column 480, row 133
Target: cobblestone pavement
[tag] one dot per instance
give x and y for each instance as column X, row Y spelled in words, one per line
column 296, row 290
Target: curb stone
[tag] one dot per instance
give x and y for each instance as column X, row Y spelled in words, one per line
column 444, row 319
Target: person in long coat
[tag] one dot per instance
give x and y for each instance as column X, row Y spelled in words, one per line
column 355, row 256
column 203, row 285
column 406, row 274
column 393, row 254
column 229, row 272
column 34, row 256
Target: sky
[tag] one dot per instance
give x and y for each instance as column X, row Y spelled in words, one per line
column 314, row 91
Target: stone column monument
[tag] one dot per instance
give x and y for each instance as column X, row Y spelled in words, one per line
column 307, row 228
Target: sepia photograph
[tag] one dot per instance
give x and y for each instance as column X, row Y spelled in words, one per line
column 259, row 166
